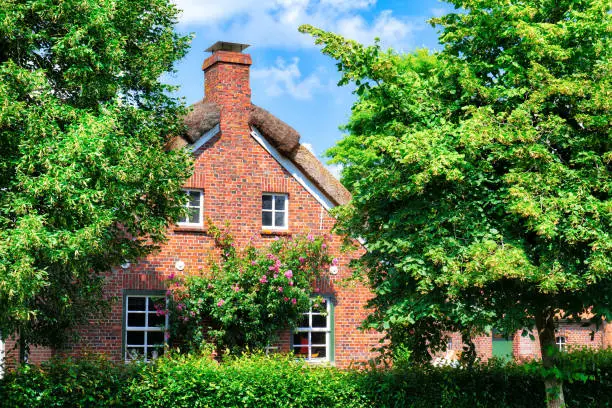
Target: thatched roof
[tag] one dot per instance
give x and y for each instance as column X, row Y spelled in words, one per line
column 202, row 117
column 206, row 115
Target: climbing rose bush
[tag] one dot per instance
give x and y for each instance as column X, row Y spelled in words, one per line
column 248, row 295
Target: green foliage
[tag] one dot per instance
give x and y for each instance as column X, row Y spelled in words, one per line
column 481, row 174
column 249, row 295
column 85, row 179
column 280, row 381
column 92, row 381
column 253, row 381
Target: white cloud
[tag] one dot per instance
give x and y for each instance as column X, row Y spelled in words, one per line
column 309, row 147
column 286, row 79
column 274, row 23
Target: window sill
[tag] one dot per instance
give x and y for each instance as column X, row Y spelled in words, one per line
column 275, row 232
column 189, row 228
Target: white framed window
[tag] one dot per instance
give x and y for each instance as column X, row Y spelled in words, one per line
column 561, row 343
column 274, row 211
column 195, row 209
column 313, row 339
column 146, row 325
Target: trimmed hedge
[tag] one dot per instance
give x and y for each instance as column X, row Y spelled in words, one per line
column 259, row 381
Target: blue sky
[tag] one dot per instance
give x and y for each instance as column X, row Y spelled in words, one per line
column 289, row 76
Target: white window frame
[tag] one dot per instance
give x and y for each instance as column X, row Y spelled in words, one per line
column 274, row 211
column 328, row 330
column 188, row 206
column 146, row 329
column 561, row 342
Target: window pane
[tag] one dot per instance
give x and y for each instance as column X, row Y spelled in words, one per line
column 136, row 303
column 194, row 198
column 318, row 338
column 266, row 202
column 157, row 303
column 279, row 219
column 136, row 319
column 134, row 353
column 194, row 215
column 318, row 352
column 280, row 202
column 300, row 339
column 156, row 321
column 266, row 219
column 301, row 351
column 319, row 321
column 135, row 338
column 154, row 352
column 155, row 338
column 304, row 321
column 182, row 219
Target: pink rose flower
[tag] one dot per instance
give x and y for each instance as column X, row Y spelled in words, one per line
column 290, row 283
column 171, row 276
column 289, row 274
column 335, row 261
column 310, row 237
column 302, row 259
column 253, row 262
column 280, row 288
column 220, row 303
column 294, row 301
column 324, row 246
column 263, row 279
column 286, row 299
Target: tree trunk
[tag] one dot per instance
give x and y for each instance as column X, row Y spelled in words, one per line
column 553, row 386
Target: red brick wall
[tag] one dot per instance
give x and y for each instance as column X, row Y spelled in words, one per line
column 233, row 170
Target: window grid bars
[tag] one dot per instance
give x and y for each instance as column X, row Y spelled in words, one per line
column 145, row 330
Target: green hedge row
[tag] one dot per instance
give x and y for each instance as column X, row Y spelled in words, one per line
column 258, row 381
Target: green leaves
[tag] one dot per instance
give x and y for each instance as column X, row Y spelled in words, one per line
column 480, row 174
column 249, row 296
column 85, row 180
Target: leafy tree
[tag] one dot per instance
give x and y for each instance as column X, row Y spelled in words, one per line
column 249, row 295
column 85, row 180
column 481, row 174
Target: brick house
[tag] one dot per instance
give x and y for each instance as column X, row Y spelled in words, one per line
column 251, row 170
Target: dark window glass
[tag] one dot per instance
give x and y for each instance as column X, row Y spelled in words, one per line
column 279, row 219
column 155, row 338
column 319, row 321
column 135, row 338
column 318, row 338
column 156, row 321
column 266, row 218
column 136, row 319
column 137, row 303
column 266, row 202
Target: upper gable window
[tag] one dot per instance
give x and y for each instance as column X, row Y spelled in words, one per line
column 274, row 211
column 195, row 209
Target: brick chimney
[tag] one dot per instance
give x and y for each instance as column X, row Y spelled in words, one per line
column 226, row 77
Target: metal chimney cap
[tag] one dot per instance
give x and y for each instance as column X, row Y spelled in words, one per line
column 227, row 46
